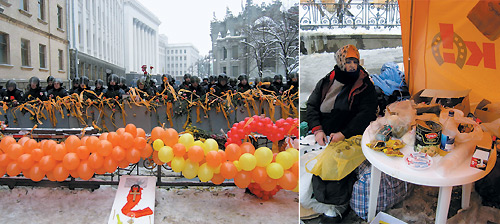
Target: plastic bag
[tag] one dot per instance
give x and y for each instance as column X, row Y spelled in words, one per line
column 400, row 115
column 476, row 134
column 338, row 159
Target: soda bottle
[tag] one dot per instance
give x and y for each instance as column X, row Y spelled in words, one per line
column 450, row 129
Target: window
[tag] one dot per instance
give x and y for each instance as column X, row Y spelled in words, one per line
column 41, row 9
column 234, row 71
column 4, row 48
column 224, row 70
column 185, row 58
column 184, row 51
column 234, row 53
column 176, row 51
column 60, row 56
column 185, row 65
column 25, row 52
column 42, row 53
column 224, row 53
column 59, row 17
column 23, row 4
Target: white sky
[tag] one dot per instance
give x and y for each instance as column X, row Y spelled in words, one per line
column 189, row 21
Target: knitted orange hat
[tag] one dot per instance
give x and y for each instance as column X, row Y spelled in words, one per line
column 347, row 51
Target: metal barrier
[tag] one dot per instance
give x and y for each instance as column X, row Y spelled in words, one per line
column 347, row 13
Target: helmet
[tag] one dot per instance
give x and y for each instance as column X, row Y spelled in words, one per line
column 141, row 81
column 233, row 81
column 76, row 81
column 163, row 77
column 278, row 77
column 256, row 80
column 34, row 80
column 211, row 78
column 267, row 79
column 99, row 81
column 195, row 79
column 58, row 81
column 171, row 79
column 84, row 80
column 293, row 75
column 243, row 77
column 123, row 80
column 205, row 79
column 113, row 78
column 50, row 79
column 187, row 76
column 11, row 83
column 222, row 77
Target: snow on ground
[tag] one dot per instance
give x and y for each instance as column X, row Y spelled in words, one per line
column 315, row 66
column 173, row 205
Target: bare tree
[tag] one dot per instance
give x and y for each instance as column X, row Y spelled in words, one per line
column 287, row 36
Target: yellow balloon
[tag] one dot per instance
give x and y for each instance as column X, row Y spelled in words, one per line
column 295, row 154
column 199, row 143
column 247, row 162
column 190, row 170
column 178, row 164
column 210, row 145
column 285, row 159
column 264, row 156
column 157, row 144
column 166, row 154
column 237, row 165
column 275, row 170
column 217, row 170
column 296, row 189
column 205, row 173
column 187, row 140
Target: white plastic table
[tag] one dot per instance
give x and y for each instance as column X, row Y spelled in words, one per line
column 463, row 175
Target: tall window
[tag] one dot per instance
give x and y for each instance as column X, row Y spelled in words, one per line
column 59, row 17
column 25, row 52
column 42, row 53
column 41, row 9
column 224, row 70
column 224, row 53
column 23, row 4
column 184, row 51
column 234, row 53
column 60, row 55
column 185, row 58
column 235, row 71
column 4, row 48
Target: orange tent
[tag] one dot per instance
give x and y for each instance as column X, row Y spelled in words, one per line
column 452, row 45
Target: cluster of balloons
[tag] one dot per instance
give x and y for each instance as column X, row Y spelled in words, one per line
column 259, row 192
column 80, row 158
column 273, row 131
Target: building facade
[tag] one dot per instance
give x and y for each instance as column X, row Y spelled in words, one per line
column 181, row 59
column 141, row 38
column 33, row 40
column 162, row 53
column 96, row 36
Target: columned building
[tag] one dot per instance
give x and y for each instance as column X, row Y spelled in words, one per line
column 162, row 54
column 33, row 40
column 181, row 59
column 141, row 38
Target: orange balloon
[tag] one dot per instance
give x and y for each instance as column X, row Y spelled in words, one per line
column 133, row 156
column 84, row 139
column 105, row 148
column 30, row 145
column 170, row 137
column 288, row 181
column 25, row 161
column 247, row 147
column 47, row 163
column 13, row 169
column 3, row 170
column 36, row 173
column 37, row 154
column 228, row 170
column 114, row 138
column 83, row 152
column 4, row 160
column 127, row 140
column 23, row 140
column 214, row 159
column 156, row 159
column 140, row 143
column 218, row 179
column 71, row 161
column 259, row 174
column 222, row 155
column 72, row 142
column 95, row 161
column 179, row 149
column 92, row 143
column 118, row 153
column 110, row 164
column 141, row 133
column 243, row 179
column 233, row 152
column 74, row 173
column 58, row 152
column 196, row 154
column 101, row 170
column 123, row 164
column 146, row 151
column 103, row 136
column 50, row 175
column 269, row 184
column 6, row 142
column 156, row 133
column 120, row 131
column 295, row 169
column 48, row 146
column 130, row 128
column 60, row 173
column 14, row 151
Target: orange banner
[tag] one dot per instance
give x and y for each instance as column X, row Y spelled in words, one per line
column 453, row 45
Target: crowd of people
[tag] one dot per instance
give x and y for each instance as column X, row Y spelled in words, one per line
column 145, row 88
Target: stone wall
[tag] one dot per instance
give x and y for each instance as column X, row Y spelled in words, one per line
column 319, row 43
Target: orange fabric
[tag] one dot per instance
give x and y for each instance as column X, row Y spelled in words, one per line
column 452, row 45
column 352, row 52
column 127, row 208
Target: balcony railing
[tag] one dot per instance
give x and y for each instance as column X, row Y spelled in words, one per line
column 368, row 14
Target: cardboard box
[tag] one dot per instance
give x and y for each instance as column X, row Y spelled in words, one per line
column 383, row 218
column 484, row 114
column 433, row 99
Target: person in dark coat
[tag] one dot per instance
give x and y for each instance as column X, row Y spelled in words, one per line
column 233, row 83
column 99, row 87
column 12, row 93
column 293, row 82
column 342, row 105
column 75, row 84
column 212, row 81
column 187, row 82
column 113, row 91
column 34, row 90
column 167, row 80
column 58, row 90
column 278, row 83
column 204, row 83
column 145, row 91
column 243, row 86
column 50, row 83
column 196, row 89
column 267, row 87
column 222, row 87
column 122, row 83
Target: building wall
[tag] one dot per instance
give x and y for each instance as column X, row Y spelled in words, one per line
column 181, row 59
column 162, row 51
column 20, row 24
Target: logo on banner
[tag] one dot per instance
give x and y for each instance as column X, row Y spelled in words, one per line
column 469, row 52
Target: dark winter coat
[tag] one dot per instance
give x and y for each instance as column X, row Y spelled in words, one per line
column 221, row 89
column 270, row 90
column 98, row 91
column 113, row 92
column 351, row 119
column 289, row 85
column 54, row 93
column 185, row 86
column 37, row 93
column 48, row 88
column 199, row 91
column 243, row 88
column 15, row 94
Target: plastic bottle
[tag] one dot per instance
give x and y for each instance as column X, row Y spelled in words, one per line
column 450, row 131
